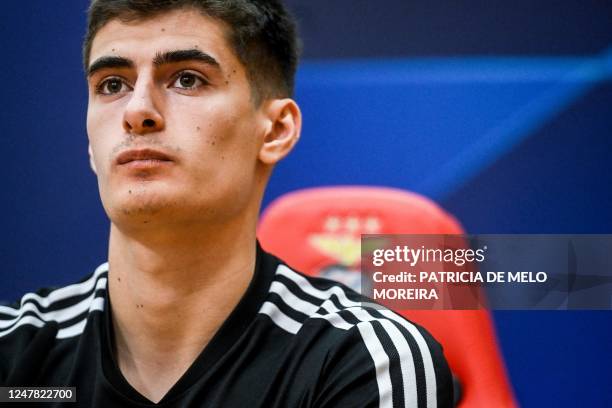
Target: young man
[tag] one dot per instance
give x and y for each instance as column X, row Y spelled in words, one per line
column 189, row 109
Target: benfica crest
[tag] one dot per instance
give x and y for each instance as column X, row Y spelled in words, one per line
column 340, row 240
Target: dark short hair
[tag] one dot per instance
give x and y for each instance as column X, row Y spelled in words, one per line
column 263, row 35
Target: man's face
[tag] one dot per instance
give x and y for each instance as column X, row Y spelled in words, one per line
column 173, row 132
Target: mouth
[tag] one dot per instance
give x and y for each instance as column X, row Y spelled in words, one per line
column 143, row 156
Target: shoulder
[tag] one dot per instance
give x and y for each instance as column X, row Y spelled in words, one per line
column 401, row 359
column 66, row 307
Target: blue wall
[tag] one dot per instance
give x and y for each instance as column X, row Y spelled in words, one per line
column 500, row 111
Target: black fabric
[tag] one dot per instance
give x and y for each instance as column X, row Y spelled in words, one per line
column 302, row 342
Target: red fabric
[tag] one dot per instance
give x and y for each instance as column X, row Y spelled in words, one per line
column 316, row 228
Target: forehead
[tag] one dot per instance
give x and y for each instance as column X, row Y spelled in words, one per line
column 177, row 29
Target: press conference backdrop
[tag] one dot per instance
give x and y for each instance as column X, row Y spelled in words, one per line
column 501, row 111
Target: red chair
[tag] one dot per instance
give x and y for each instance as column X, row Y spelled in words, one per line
column 317, row 231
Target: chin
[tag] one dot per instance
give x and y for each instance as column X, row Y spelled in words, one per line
column 132, row 207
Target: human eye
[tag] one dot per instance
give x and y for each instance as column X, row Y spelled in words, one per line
column 112, row 86
column 188, row 80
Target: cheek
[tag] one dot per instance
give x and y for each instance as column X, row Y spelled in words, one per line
column 222, row 154
column 230, row 142
column 217, row 130
column 99, row 132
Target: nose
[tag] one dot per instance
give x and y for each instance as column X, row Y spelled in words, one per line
column 142, row 114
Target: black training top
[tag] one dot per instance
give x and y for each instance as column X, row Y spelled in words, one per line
column 292, row 341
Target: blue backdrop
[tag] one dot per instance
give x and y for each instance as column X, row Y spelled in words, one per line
column 500, row 111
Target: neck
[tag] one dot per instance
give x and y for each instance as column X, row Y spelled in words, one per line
column 170, row 293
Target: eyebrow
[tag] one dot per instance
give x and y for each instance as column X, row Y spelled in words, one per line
column 168, row 57
column 193, row 54
column 109, row 62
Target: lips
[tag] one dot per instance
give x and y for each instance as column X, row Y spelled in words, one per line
column 142, row 155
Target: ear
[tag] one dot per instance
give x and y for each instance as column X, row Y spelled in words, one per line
column 283, row 130
column 91, row 160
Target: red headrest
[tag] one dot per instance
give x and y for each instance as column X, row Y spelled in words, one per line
column 322, row 226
